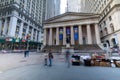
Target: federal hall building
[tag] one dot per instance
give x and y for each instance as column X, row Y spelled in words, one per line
column 79, row 28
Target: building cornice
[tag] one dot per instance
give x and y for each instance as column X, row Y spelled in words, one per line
column 110, row 34
column 71, row 13
column 84, row 16
column 72, row 20
column 113, row 8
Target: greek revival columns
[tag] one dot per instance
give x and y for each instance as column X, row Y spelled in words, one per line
column 36, row 35
column 57, row 36
column 45, row 35
column 97, row 34
column 32, row 33
column 5, row 27
column 72, row 36
column 80, row 35
column 64, row 35
column 89, row 37
column 21, row 30
column 12, row 27
column 0, row 26
column 81, row 31
column 50, row 37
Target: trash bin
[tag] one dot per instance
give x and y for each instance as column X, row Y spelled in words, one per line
column 87, row 62
column 76, row 60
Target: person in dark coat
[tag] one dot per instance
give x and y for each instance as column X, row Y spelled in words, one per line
column 50, row 57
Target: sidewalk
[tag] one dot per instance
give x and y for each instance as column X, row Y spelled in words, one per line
column 14, row 60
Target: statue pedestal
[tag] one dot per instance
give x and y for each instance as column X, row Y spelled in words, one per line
column 67, row 45
column 64, row 49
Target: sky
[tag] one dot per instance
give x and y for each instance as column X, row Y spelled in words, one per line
column 63, row 5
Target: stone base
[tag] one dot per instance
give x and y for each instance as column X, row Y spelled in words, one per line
column 64, row 49
column 67, row 45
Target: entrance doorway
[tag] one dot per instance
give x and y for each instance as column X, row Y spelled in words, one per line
column 84, row 41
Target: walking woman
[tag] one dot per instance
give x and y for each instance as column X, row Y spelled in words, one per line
column 67, row 55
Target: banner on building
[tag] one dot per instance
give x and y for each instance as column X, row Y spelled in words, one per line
column 60, row 33
column 76, row 32
column 68, row 30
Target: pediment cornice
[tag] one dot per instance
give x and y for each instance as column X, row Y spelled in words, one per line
column 70, row 16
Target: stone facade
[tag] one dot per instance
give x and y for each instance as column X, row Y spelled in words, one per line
column 80, row 28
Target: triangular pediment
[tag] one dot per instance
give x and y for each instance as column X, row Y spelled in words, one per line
column 71, row 16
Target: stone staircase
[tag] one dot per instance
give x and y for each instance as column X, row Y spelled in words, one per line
column 77, row 48
column 87, row 48
column 54, row 48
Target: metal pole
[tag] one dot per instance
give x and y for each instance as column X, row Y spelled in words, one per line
column 27, row 45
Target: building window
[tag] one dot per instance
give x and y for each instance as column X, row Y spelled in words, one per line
column 100, row 26
column 104, row 23
column 106, row 31
column 112, row 27
column 109, row 7
column 101, row 33
column 110, row 18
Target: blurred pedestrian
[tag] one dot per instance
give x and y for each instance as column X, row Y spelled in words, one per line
column 113, row 64
column 50, row 57
column 26, row 53
column 45, row 59
column 67, row 56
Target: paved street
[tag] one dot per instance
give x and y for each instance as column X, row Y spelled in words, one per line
column 61, row 72
column 35, row 70
column 13, row 60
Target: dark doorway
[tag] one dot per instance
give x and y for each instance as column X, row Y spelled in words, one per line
column 84, row 41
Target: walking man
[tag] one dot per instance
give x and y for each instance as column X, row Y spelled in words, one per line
column 50, row 57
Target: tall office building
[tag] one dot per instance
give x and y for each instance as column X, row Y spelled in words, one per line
column 96, row 6
column 52, row 8
column 22, row 18
column 74, row 6
column 109, row 21
column 57, row 7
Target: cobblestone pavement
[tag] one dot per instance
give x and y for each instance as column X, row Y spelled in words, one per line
column 59, row 70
